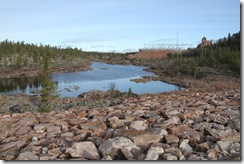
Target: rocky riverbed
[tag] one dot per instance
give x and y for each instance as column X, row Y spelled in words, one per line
column 177, row 125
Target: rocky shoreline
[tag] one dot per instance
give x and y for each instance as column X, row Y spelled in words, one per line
column 177, row 125
column 201, row 122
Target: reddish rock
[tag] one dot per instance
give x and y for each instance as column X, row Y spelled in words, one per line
column 27, row 156
column 180, row 131
column 94, row 125
column 146, row 139
column 54, row 153
column 23, row 130
column 82, row 114
column 171, row 138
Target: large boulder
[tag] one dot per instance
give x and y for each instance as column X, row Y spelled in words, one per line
column 114, row 147
column 85, row 150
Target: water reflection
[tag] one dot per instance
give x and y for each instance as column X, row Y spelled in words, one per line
column 19, row 85
column 100, row 78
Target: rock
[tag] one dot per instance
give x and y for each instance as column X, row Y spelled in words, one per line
column 34, row 149
column 180, row 131
column 27, row 156
column 211, row 132
column 55, row 153
column 107, row 158
column 139, row 125
column 139, row 113
column 40, row 128
column 113, row 146
column 198, row 103
column 171, row 138
column 115, row 122
column 127, row 132
column 68, row 136
column 194, row 157
column 204, row 147
column 77, row 121
column 85, row 150
column 92, row 125
column 11, row 148
column 170, row 113
column 186, row 147
column 174, row 151
column 23, row 130
column 82, row 114
column 154, row 153
column 228, row 145
column 54, row 129
column 26, row 121
column 127, row 154
column 172, row 120
column 158, row 131
column 45, row 157
column 169, row 157
column 145, row 139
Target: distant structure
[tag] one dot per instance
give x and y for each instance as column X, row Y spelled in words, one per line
column 204, row 43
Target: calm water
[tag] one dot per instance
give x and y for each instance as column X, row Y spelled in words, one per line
column 102, row 77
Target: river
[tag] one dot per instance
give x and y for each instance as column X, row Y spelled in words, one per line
column 101, row 77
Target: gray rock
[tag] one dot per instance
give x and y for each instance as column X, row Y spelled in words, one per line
column 41, row 128
column 158, row 131
column 174, row 151
column 154, row 153
column 68, row 136
column 185, row 146
column 85, row 150
column 228, row 145
column 27, row 156
column 139, row 125
column 112, row 147
column 115, row 122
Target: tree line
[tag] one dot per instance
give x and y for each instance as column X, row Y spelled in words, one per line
column 224, row 54
column 20, row 54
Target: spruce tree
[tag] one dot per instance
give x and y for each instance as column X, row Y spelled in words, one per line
column 49, row 88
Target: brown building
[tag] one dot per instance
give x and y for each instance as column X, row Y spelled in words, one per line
column 205, row 42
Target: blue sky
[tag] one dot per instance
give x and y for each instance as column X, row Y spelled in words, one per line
column 117, row 25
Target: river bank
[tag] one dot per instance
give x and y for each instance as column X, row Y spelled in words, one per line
column 179, row 125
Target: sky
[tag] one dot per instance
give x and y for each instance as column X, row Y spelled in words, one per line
column 117, row 25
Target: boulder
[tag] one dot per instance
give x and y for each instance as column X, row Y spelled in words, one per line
column 154, row 153
column 23, row 130
column 115, row 122
column 11, row 148
column 113, row 146
column 55, row 153
column 186, row 147
column 85, row 150
column 146, row 139
column 139, row 125
column 27, row 156
column 92, row 125
column 171, row 138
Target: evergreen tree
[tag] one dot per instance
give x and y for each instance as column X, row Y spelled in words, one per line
column 49, row 89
